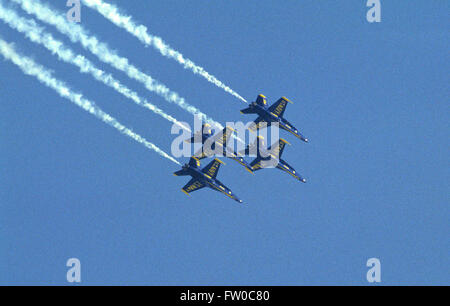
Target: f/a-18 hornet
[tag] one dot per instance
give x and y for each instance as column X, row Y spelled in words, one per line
column 271, row 157
column 270, row 115
column 216, row 144
column 205, row 177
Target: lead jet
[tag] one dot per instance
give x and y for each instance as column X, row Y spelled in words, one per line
column 270, row 115
column 216, row 144
column 205, row 177
column 270, row 158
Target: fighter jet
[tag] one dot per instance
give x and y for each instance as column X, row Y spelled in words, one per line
column 213, row 144
column 271, row 157
column 270, row 115
column 205, row 177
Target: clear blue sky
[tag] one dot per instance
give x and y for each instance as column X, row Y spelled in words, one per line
column 372, row 98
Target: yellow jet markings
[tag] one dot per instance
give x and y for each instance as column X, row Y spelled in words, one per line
column 215, row 187
column 280, row 108
column 220, row 141
column 196, row 161
column 249, row 170
column 213, row 169
column 283, row 140
column 222, row 191
column 257, row 166
column 290, row 172
column 245, row 166
column 286, row 99
column 196, row 185
column 279, row 147
column 293, row 133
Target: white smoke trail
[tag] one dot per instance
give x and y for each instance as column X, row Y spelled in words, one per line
column 112, row 13
column 29, row 67
column 77, row 33
column 38, row 35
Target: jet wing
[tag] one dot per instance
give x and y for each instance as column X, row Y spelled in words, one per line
column 212, row 168
column 215, row 144
column 278, row 148
column 192, row 185
column 279, row 107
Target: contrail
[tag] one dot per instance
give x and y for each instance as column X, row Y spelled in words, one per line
column 77, row 33
column 29, row 67
column 111, row 12
column 38, row 35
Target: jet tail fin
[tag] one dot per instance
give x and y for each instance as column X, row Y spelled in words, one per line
column 261, row 100
column 194, row 162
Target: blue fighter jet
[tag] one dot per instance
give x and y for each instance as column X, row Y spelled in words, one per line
column 270, row 115
column 205, row 177
column 216, row 144
column 270, row 158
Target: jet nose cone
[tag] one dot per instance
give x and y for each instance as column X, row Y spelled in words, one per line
column 303, row 180
column 306, row 140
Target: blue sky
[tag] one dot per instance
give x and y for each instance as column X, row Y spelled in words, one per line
column 370, row 97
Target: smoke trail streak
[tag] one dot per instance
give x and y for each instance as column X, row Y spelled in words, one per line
column 29, row 67
column 38, row 35
column 77, row 33
column 112, row 13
